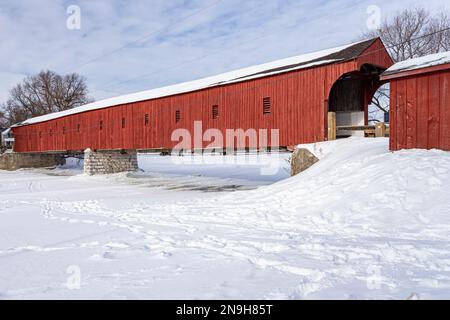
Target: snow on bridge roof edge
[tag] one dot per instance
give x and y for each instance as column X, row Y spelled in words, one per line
column 313, row 59
column 427, row 61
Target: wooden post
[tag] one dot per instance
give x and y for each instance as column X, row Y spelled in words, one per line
column 331, row 125
column 380, row 130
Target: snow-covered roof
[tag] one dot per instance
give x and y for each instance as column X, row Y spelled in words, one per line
column 431, row 60
column 338, row 54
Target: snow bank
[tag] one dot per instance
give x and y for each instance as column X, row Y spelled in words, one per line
column 362, row 223
column 322, row 149
column 419, row 63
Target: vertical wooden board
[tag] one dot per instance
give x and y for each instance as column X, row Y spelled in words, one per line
column 204, row 108
column 135, row 127
column 323, row 102
column 84, row 130
column 228, row 109
column 211, row 99
column 155, row 138
column 331, row 126
column 202, row 112
column 106, row 129
column 321, row 112
column 104, row 136
column 78, row 135
column 73, row 133
column 169, row 124
column 141, row 130
column 312, row 113
column 422, row 112
column 118, row 133
column 124, row 130
column 53, row 138
column 290, row 109
column 445, row 110
column 434, row 112
column 146, row 130
column 411, row 113
column 401, row 114
column 174, row 105
column 42, row 137
column 158, row 127
column 44, row 140
column 303, row 108
column 281, row 115
column 92, row 137
column 63, row 131
column 60, row 134
column 68, row 122
column 247, row 116
column 129, row 142
column 263, row 90
column 109, row 127
column 149, row 131
column 86, row 121
column 306, row 110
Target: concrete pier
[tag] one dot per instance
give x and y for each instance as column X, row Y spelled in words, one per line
column 111, row 161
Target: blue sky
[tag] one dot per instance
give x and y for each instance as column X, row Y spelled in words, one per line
column 129, row 46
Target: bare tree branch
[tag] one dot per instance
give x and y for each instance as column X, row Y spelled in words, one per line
column 411, row 33
column 44, row 93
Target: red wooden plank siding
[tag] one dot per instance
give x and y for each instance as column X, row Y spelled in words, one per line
column 425, row 121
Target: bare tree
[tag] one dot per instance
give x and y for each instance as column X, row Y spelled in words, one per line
column 45, row 93
column 3, row 120
column 411, row 33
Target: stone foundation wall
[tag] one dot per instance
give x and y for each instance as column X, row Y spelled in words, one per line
column 106, row 162
column 14, row 161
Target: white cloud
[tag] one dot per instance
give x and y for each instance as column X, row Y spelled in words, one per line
column 7, row 81
column 175, row 42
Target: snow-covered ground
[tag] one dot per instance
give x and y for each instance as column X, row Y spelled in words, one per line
column 362, row 223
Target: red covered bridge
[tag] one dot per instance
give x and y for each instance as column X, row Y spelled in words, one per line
column 293, row 95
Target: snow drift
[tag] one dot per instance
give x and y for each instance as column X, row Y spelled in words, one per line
column 362, row 223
